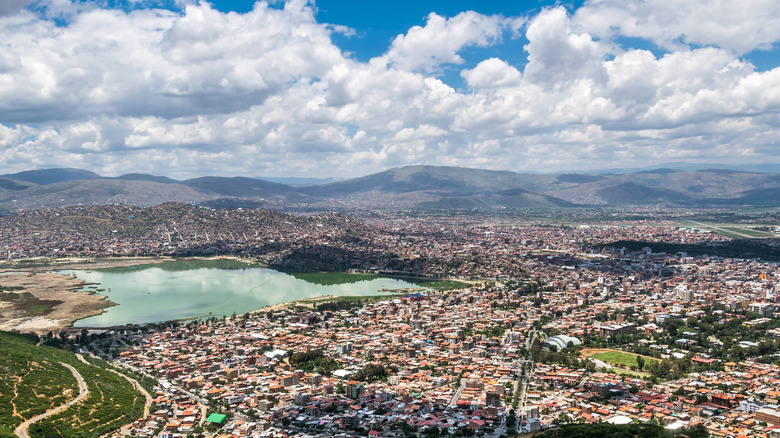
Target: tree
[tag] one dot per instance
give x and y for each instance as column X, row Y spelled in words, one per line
column 511, row 419
column 640, row 362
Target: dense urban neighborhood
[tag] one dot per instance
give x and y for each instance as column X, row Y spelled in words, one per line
column 406, row 219
column 553, row 325
column 695, row 347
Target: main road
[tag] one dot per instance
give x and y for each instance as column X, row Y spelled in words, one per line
column 21, row 431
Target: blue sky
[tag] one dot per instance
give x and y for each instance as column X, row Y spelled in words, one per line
column 334, row 88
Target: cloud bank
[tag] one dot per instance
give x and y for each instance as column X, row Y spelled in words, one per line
column 269, row 93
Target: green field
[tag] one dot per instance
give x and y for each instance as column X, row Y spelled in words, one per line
column 735, row 231
column 749, row 231
column 441, row 285
column 33, row 381
column 618, row 358
column 28, row 303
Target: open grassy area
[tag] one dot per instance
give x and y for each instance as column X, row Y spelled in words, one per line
column 632, row 373
column 29, row 303
column 748, row 231
column 441, row 285
column 33, row 381
column 735, row 231
column 349, row 298
column 621, row 359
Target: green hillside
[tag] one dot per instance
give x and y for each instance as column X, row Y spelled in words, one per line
column 33, row 381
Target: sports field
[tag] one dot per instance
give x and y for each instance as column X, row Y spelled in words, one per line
column 616, row 358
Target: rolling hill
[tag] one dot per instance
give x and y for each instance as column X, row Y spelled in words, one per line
column 410, row 187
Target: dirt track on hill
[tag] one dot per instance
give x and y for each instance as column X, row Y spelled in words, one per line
column 21, row 431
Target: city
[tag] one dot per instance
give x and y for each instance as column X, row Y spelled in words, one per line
column 552, row 339
column 417, row 219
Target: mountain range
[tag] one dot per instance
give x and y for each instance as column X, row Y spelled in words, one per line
column 411, row 187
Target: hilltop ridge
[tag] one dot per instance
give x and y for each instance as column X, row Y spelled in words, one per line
column 419, row 187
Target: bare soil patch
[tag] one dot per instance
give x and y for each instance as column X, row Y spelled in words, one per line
column 48, row 301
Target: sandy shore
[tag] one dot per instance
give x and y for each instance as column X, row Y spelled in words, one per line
column 53, row 304
column 51, row 301
column 285, row 305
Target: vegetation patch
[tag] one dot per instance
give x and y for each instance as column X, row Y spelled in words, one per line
column 29, row 303
column 314, row 362
column 605, row 430
column 33, row 381
column 744, row 249
column 347, row 302
column 332, row 278
column 441, row 285
column 621, row 359
column 112, row 402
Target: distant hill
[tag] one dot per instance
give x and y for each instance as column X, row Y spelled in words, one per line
column 12, row 185
column 239, row 187
column 51, row 176
column 450, row 181
column 98, row 192
column 410, row 187
column 145, row 177
column 681, row 165
column 297, row 181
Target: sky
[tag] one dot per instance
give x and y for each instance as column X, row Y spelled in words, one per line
column 344, row 88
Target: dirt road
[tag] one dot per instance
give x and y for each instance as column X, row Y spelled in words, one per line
column 21, row 431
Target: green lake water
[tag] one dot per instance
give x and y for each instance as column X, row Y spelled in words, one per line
column 191, row 289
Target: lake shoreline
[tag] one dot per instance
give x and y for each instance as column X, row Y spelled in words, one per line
column 71, row 301
column 61, row 294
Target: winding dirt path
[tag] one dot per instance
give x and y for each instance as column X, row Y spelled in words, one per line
column 141, row 389
column 133, row 382
column 21, row 431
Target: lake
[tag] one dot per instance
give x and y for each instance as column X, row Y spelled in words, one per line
column 191, row 289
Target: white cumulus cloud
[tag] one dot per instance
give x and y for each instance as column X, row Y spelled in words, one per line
column 268, row 92
column 738, row 26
